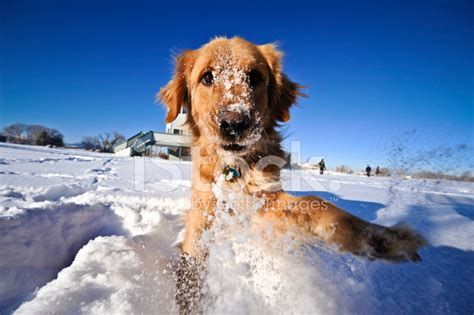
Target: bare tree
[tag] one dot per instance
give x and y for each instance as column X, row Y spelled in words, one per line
column 467, row 176
column 16, row 133
column 41, row 135
column 55, row 138
column 344, row 169
column 384, row 171
column 104, row 142
column 49, row 137
column 34, row 132
column 91, row 143
column 117, row 138
column 109, row 140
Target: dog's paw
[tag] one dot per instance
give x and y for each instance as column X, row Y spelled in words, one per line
column 398, row 243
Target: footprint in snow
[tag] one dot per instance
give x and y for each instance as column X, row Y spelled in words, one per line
column 109, row 161
column 102, row 170
column 13, row 194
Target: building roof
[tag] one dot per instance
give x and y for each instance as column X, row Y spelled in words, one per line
column 174, row 140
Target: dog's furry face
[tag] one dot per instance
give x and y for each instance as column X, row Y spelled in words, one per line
column 234, row 91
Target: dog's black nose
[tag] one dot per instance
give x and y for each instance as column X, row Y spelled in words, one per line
column 233, row 124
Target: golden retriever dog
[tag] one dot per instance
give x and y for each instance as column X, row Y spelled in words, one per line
column 236, row 96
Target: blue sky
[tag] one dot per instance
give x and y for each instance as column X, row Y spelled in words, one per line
column 380, row 75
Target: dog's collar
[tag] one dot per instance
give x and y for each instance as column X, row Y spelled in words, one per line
column 231, row 173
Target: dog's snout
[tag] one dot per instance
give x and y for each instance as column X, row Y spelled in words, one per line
column 233, row 124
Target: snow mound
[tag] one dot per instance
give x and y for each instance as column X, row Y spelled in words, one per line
column 36, row 243
column 107, row 274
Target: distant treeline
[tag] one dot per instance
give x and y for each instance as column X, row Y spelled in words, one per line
column 32, row 134
column 384, row 171
column 41, row 135
column 465, row 176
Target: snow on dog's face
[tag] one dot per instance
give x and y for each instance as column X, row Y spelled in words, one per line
column 233, row 91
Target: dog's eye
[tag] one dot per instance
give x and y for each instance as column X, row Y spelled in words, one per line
column 207, row 78
column 254, row 77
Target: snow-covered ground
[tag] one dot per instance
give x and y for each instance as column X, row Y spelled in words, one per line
column 92, row 233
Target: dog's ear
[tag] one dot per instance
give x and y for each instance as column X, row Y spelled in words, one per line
column 282, row 91
column 175, row 93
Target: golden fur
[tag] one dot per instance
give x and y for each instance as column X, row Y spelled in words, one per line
column 230, row 63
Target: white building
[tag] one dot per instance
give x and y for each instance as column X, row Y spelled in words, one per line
column 178, row 126
column 174, row 144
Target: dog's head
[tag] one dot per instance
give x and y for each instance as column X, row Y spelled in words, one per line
column 233, row 92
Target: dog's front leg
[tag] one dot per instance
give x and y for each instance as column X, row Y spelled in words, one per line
column 191, row 268
column 314, row 216
column 189, row 278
